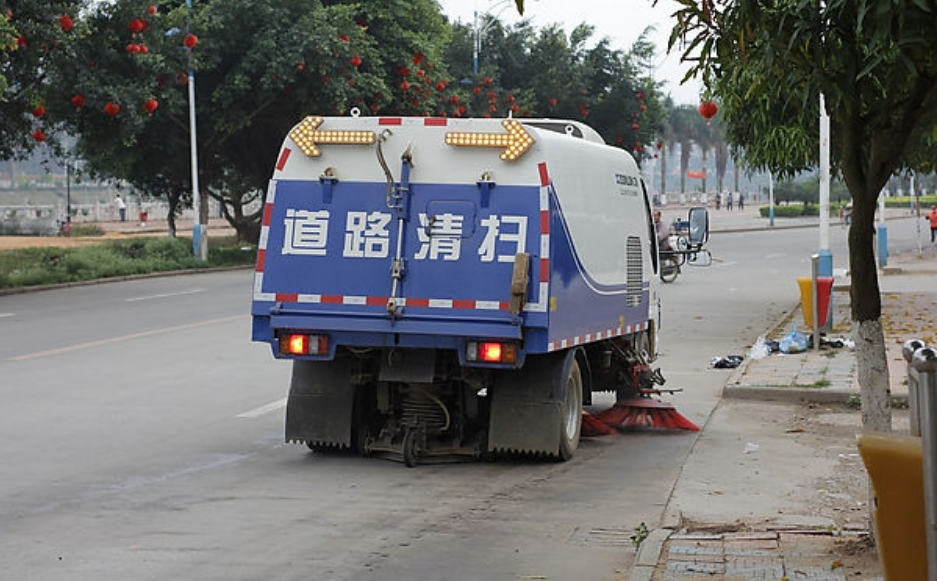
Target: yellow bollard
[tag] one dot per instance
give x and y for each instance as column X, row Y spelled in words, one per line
column 895, row 465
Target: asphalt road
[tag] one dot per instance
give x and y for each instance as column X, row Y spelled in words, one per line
column 141, row 438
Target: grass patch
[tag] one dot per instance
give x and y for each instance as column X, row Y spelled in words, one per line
column 42, row 266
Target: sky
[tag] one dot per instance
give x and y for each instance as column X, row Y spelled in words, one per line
column 621, row 21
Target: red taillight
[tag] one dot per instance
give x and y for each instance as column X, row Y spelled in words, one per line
column 491, row 352
column 299, row 344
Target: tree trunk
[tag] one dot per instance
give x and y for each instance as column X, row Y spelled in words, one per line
column 866, row 307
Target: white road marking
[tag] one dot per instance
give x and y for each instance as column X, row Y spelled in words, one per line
column 264, row 409
column 124, row 338
column 166, row 295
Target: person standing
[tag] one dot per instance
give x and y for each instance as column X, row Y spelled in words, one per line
column 121, row 208
column 932, row 218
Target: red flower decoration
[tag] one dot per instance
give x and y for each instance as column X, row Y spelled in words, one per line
column 510, row 98
column 133, row 48
column 707, row 109
column 405, row 85
column 77, row 100
column 640, row 96
column 635, row 126
column 190, row 41
column 301, row 67
column 421, row 73
column 38, row 135
column 38, row 111
column 418, row 58
column 137, row 25
column 344, row 38
column 356, row 61
column 151, row 10
column 553, row 102
column 65, row 21
column 112, row 108
column 440, row 86
column 403, row 71
column 21, row 41
column 454, row 99
column 477, row 90
column 486, row 81
column 150, row 105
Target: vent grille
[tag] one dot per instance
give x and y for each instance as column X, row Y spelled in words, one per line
column 635, row 275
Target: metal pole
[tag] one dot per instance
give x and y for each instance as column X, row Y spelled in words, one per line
column 475, row 45
column 914, row 410
column 925, row 362
column 200, row 229
column 814, row 300
column 770, row 199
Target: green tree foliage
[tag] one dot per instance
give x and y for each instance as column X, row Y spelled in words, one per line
column 875, row 63
column 35, row 36
column 121, row 84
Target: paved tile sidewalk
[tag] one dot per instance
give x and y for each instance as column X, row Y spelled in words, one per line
column 780, row 555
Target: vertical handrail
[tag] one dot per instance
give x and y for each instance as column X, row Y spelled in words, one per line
column 924, row 362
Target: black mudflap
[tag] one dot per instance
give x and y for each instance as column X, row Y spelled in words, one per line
column 526, row 407
column 321, row 404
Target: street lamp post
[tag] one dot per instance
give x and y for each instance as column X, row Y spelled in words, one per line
column 478, row 32
column 200, row 228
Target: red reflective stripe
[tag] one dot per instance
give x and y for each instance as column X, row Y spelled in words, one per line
column 268, row 215
column 376, row 301
column 544, row 269
column 435, row 121
column 333, row 299
column 544, row 176
column 284, row 155
column 463, row 304
column 287, row 297
column 390, row 121
column 545, row 222
column 261, row 260
column 417, row 302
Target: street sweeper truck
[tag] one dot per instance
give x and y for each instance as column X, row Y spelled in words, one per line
column 450, row 288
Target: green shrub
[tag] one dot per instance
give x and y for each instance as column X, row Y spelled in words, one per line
column 41, row 266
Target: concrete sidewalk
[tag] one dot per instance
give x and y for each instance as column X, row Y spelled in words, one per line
column 774, row 488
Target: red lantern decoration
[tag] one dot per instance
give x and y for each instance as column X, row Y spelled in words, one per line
column 454, row 99
column 635, row 126
column 38, row 135
column 65, row 21
column 477, row 90
column 77, row 101
column 142, row 49
column 112, row 108
column 133, row 48
column 38, row 111
column 137, row 25
column 151, row 10
column 418, row 58
column 420, row 73
column 440, row 86
column 190, row 41
column 486, row 81
column 405, row 85
column 707, row 109
column 150, row 105
column 640, row 96
column 356, row 61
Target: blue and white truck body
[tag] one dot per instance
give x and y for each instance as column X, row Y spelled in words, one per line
column 454, row 286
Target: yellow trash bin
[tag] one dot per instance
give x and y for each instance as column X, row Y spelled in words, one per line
column 895, row 465
column 824, row 290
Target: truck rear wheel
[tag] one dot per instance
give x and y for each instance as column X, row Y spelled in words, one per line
column 571, row 410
